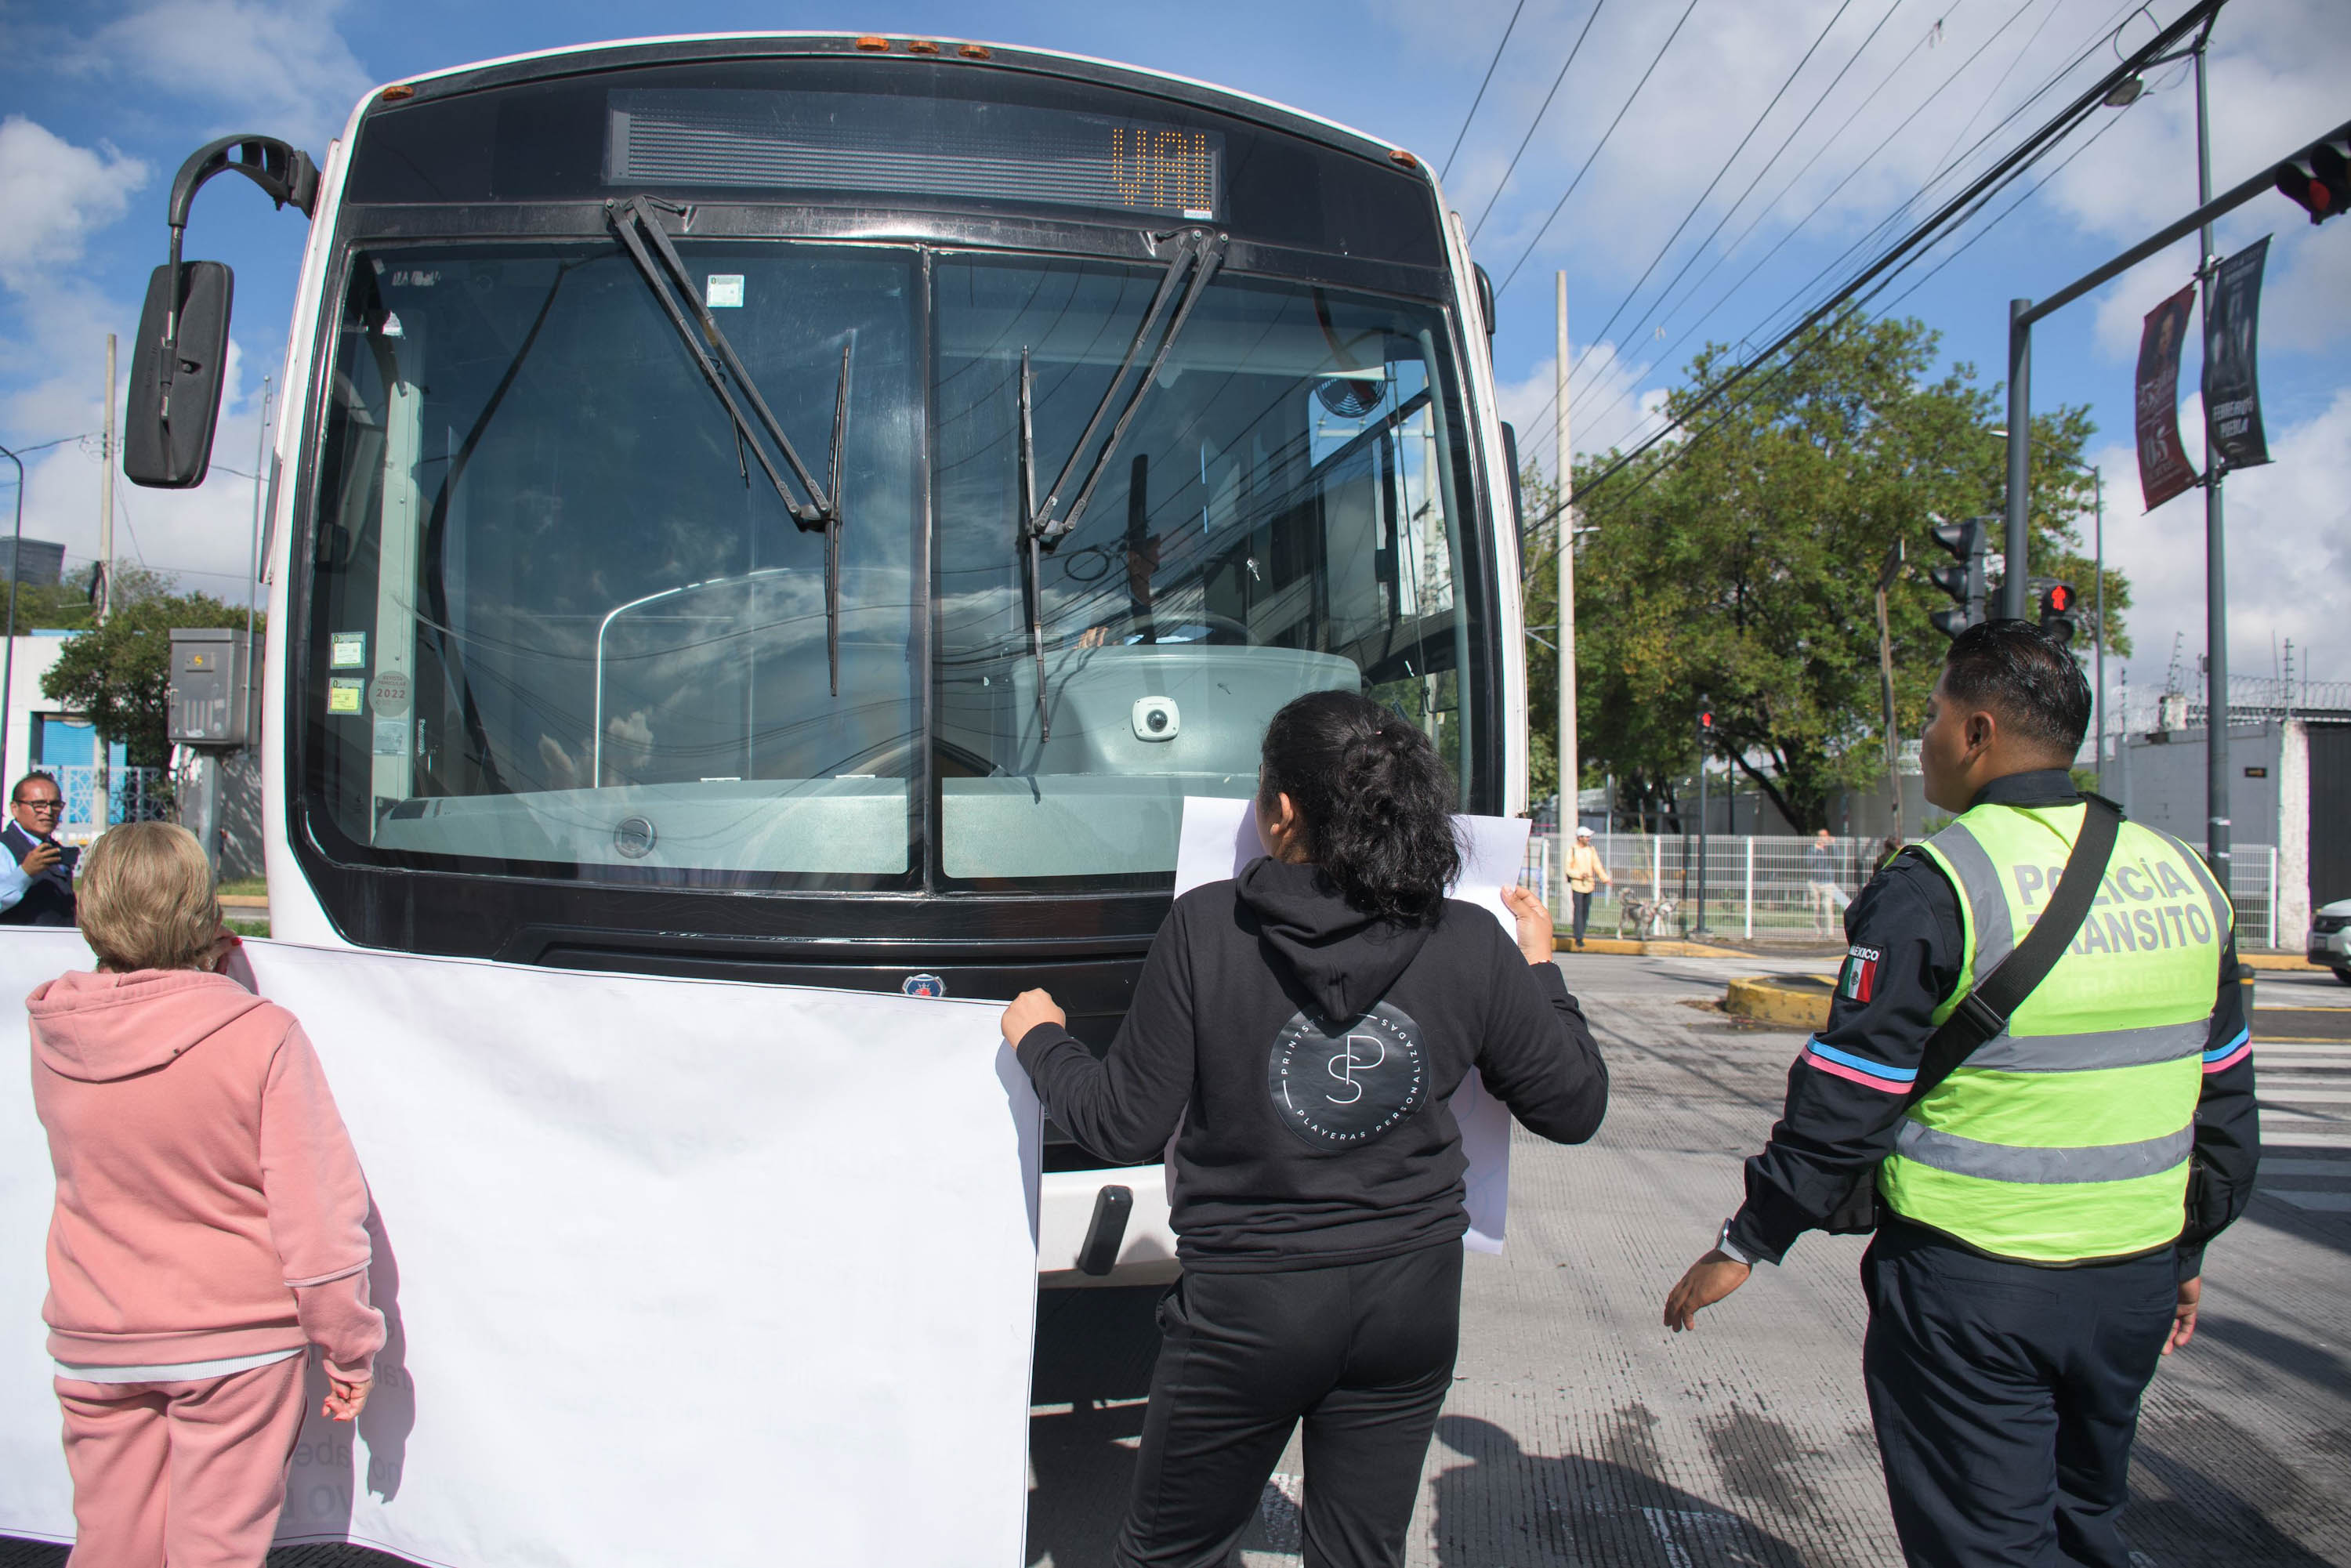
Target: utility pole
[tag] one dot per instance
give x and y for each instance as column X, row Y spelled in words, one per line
column 106, row 501
column 16, row 573
column 2216, row 583
column 2098, row 571
column 1885, row 576
column 1571, row 770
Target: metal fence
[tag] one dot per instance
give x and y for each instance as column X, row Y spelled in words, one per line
column 133, row 795
column 1780, row 886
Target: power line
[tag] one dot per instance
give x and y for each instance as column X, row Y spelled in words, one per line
column 2089, row 48
column 1925, row 234
column 1777, row 153
column 1553, row 401
column 1503, row 184
column 1482, row 85
column 1700, row 205
column 1596, row 150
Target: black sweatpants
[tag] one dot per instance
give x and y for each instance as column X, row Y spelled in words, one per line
column 2006, row 1396
column 1362, row 1353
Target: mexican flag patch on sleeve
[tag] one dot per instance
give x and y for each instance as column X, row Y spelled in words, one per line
column 1858, row 980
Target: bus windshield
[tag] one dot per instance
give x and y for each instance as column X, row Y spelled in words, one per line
column 558, row 622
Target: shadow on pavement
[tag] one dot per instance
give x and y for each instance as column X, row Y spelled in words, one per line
column 1506, row 1506
column 1095, row 1352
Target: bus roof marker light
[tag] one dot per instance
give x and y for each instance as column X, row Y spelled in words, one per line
column 1401, row 158
column 974, row 52
column 922, row 47
column 873, row 44
column 397, row 91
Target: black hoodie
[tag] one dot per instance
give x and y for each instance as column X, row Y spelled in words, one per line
column 1308, row 1051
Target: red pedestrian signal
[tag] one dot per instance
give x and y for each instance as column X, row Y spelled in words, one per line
column 2058, row 602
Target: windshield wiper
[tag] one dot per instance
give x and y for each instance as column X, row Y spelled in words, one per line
column 1043, row 526
column 633, row 221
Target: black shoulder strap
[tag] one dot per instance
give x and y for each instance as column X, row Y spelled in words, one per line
column 1986, row 1009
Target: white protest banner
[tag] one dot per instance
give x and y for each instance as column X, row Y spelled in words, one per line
column 678, row 1270
column 1220, row 839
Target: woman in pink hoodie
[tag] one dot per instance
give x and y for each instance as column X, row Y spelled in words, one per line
column 211, row 1222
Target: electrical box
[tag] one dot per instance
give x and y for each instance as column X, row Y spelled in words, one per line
column 215, row 694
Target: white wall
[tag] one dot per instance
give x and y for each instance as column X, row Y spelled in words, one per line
column 30, row 658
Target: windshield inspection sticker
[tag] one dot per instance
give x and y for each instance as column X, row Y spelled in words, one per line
column 347, row 651
column 343, row 695
column 725, row 292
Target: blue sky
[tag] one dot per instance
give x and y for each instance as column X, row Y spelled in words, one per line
column 99, row 103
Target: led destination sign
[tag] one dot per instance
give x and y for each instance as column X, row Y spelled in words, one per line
column 968, row 151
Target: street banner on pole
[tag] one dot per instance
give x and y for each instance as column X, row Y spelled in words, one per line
column 2164, row 470
column 674, row 1270
column 2232, row 393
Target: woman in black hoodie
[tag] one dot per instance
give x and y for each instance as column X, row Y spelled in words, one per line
column 1304, row 1025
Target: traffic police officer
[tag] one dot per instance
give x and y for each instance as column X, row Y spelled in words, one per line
column 2045, row 1208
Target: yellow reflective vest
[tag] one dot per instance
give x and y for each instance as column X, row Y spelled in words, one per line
column 2065, row 1138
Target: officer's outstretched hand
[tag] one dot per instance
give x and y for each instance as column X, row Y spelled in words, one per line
column 2183, row 1316
column 1710, row 1280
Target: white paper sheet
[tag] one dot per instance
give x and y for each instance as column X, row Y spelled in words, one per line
column 680, row 1270
column 1220, row 837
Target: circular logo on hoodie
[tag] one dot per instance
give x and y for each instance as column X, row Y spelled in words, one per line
column 1342, row 1087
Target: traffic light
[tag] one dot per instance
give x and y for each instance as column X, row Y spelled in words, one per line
column 2058, row 607
column 1968, row 541
column 2319, row 181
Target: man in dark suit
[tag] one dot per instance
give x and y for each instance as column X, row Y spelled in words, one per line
column 34, row 808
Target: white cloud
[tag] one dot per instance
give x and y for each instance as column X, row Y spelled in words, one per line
column 56, row 195
column 1605, row 407
column 278, row 68
column 2289, row 552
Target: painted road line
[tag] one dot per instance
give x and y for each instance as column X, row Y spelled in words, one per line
column 2316, row 1202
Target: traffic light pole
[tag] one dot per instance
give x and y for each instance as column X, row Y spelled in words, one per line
column 2020, row 458
column 2024, row 313
column 2216, row 565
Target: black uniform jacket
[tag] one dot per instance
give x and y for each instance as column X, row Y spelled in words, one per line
column 1834, row 1126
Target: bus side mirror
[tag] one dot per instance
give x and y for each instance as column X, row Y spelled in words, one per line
column 175, row 390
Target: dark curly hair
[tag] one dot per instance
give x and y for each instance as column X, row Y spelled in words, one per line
column 1376, row 799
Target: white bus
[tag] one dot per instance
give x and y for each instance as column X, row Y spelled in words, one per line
column 808, row 509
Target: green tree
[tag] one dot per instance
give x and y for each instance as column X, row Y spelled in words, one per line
column 119, row 675
column 66, row 607
column 1739, row 564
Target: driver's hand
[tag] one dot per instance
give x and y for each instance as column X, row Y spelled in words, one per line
column 1094, row 637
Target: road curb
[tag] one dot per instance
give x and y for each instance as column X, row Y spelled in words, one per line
column 1625, row 946
column 2292, row 962
column 1797, row 1001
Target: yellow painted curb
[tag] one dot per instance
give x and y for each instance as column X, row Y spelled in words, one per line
column 2292, row 961
column 242, row 901
column 1665, row 949
column 1768, row 999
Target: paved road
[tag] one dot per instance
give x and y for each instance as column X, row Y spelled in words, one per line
column 1580, row 1432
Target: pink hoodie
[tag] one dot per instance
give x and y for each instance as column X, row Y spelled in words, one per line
column 209, row 1202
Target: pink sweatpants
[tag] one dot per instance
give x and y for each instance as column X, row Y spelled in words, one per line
column 189, row 1473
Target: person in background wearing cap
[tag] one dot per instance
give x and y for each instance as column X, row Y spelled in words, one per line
column 1583, row 872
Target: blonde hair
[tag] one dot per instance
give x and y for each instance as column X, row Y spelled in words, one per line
column 146, row 899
